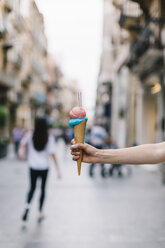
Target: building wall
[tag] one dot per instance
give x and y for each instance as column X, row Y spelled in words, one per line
column 114, row 53
column 145, row 109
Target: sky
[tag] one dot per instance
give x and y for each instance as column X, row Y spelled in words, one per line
column 74, row 32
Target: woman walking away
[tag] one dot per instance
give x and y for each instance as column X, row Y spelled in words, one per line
column 40, row 146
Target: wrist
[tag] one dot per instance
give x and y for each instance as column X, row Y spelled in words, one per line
column 105, row 156
column 98, row 155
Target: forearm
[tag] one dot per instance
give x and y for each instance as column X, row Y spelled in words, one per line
column 143, row 154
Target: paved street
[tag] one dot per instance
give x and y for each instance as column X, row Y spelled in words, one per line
column 82, row 212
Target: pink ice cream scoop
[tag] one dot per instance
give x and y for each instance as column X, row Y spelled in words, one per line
column 77, row 112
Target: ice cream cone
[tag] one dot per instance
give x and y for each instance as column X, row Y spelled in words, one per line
column 79, row 134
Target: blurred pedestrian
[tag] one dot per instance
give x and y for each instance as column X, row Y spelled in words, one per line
column 67, row 136
column 40, row 146
column 98, row 136
column 88, row 135
column 110, row 144
column 17, row 134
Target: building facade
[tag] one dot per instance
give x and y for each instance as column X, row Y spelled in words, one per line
column 144, row 21
column 137, row 70
column 23, row 50
column 106, row 76
column 31, row 83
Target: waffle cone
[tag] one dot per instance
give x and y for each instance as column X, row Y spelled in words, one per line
column 79, row 134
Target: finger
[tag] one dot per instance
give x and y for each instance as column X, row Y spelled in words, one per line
column 75, row 153
column 78, row 146
column 75, row 158
column 75, row 150
column 73, row 142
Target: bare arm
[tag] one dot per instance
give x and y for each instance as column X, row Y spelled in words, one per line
column 56, row 165
column 143, row 154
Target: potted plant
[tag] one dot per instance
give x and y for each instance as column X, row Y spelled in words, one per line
column 4, row 141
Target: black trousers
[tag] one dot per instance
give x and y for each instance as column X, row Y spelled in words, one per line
column 34, row 175
column 16, row 146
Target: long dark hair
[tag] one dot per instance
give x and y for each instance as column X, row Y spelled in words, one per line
column 40, row 135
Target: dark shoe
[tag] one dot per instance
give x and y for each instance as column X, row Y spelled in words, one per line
column 91, row 174
column 103, row 174
column 25, row 215
column 110, row 172
column 120, row 174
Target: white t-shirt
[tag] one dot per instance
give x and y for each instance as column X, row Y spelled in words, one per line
column 98, row 136
column 39, row 160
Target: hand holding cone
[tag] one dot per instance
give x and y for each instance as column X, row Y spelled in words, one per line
column 78, row 122
column 79, row 134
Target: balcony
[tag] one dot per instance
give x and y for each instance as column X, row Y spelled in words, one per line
column 130, row 16
column 146, row 53
column 2, row 27
column 5, row 47
column 15, row 59
column 2, row 32
column 8, row 5
column 38, row 99
column 7, row 79
column 151, row 61
column 26, row 81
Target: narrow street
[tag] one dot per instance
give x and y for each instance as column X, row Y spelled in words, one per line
column 81, row 212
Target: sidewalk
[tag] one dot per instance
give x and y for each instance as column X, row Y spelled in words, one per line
column 82, row 212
